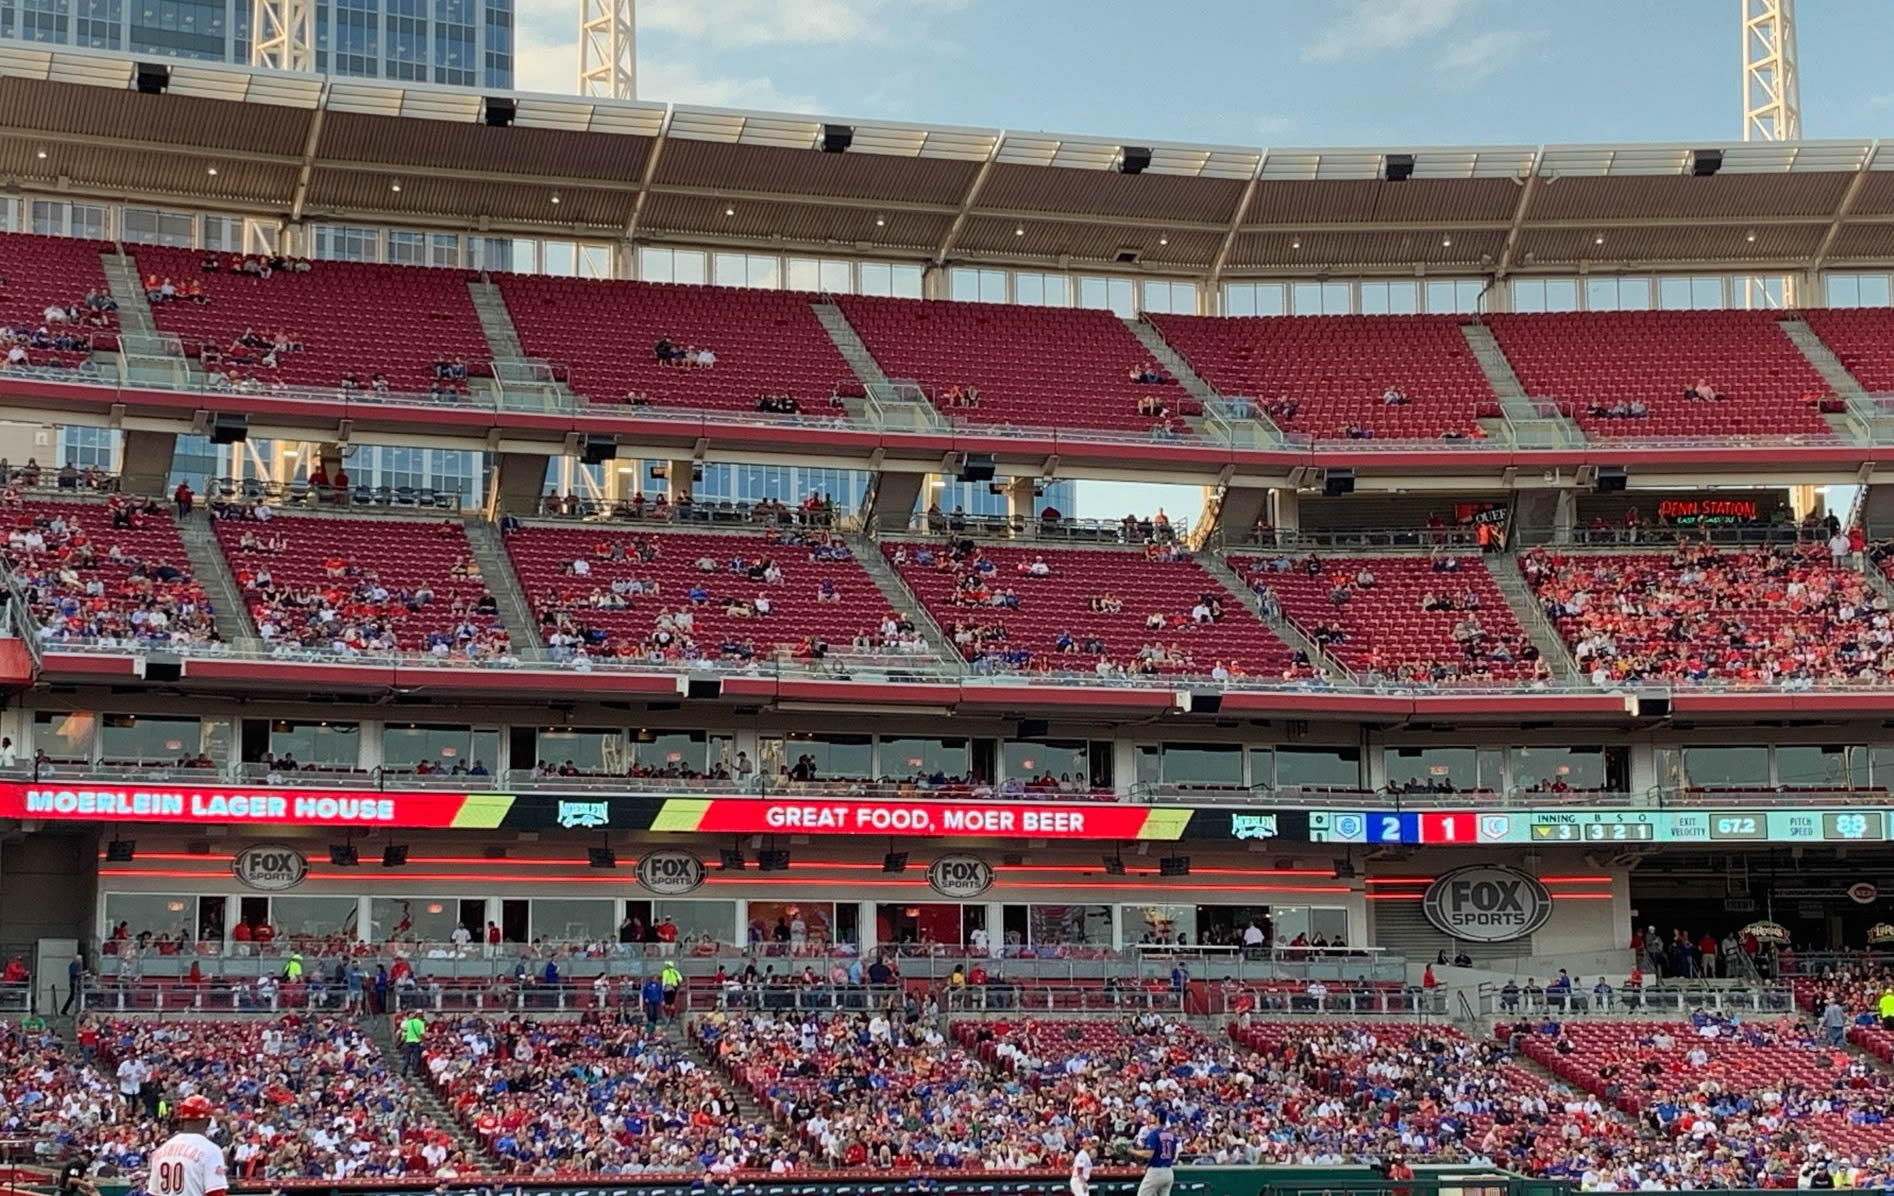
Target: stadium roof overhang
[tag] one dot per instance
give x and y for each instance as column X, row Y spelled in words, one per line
column 297, row 147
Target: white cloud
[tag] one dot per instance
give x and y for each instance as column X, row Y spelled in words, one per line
column 1363, row 28
column 1274, row 124
column 1469, row 61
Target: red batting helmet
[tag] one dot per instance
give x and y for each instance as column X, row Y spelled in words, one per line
column 195, row 1108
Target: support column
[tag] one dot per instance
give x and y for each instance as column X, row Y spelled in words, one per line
column 897, row 496
column 680, row 476
column 995, row 928
column 146, row 466
column 1877, row 511
column 1237, row 514
column 867, row 931
column 1285, row 511
column 740, row 935
column 1021, row 502
column 520, row 479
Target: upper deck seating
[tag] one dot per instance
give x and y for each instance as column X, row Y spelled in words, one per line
column 345, row 318
column 1592, row 362
column 106, row 572
column 1862, row 339
column 44, row 282
column 1342, row 377
column 1033, row 367
column 765, row 343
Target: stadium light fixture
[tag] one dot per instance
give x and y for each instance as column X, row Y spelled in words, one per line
column 555, row 197
column 1295, row 243
column 1705, row 162
column 729, row 209
column 1446, row 242
column 1599, row 239
column 880, row 221
column 1750, row 236
column 213, row 172
column 1019, row 230
column 1163, row 240
column 395, row 187
column 42, row 155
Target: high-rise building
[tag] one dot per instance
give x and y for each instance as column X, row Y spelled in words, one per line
column 461, row 43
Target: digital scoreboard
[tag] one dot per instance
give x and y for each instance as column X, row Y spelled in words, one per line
column 1443, row 828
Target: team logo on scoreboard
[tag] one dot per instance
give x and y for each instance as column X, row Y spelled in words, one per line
column 670, row 873
column 1495, row 827
column 1252, row 826
column 584, row 813
column 1485, row 903
column 271, row 867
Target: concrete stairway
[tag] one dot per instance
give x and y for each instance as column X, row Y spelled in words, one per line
column 1285, row 630
column 522, row 383
column 146, row 357
column 379, row 1030
column 747, row 1109
column 212, row 571
column 1861, row 409
column 894, row 402
column 1504, row 567
column 1530, row 428
column 1257, row 432
column 902, row 599
column 849, row 343
column 496, row 569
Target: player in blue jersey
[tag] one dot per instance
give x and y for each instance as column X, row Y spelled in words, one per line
column 1158, row 1146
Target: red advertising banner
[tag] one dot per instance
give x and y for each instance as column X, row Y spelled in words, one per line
column 87, row 801
column 938, row 819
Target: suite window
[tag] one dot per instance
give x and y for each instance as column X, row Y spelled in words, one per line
column 917, row 757
column 1318, row 768
column 834, row 757
column 1390, row 298
column 414, row 919
column 1321, row 298
column 589, row 751
column 574, row 920
column 661, row 750
column 145, row 739
column 1584, row 768
column 747, row 270
column 1204, row 764
column 1455, row 296
column 1108, row 294
column 1042, row 290
column 1699, row 767
column 441, row 746
column 1618, row 294
column 1062, row 759
column 65, row 735
column 977, row 286
column 1179, row 298
column 1255, row 299
column 1826, row 766
column 1069, row 925
column 332, row 745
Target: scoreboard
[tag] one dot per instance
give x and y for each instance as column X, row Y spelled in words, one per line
column 1445, row 828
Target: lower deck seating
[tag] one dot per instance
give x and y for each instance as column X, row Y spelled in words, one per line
column 112, row 572
column 1786, row 615
column 613, row 592
column 1425, row 619
column 1112, row 612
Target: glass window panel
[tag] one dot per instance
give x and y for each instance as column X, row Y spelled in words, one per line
column 837, row 277
column 1306, row 298
column 442, row 746
column 1874, row 290
column 1529, row 294
column 1030, row 290
column 335, row 745
column 1547, row 768
column 1058, row 290
column 1440, row 296
column 1062, row 759
column 715, row 921
column 835, row 757
column 1335, row 298
column 877, row 278
column 1826, row 765
column 963, row 286
column 992, row 286
column 1374, row 298
column 1118, row 292
column 919, row 757
column 1403, row 298
column 1561, row 294
column 593, row 751
column 1634, row 294
column 1184, row 298
column 1842, row 290
column 907, row 282
column 314, row 916
column 151, row 740
column 805, row 274
column 1069, row 925
column 443, row 249
column 1469, row 295
column 685, row 751
column 414, row 919
column 733, row 270
column 764, row 271
column 1157, row 296
column 572, row 920
column 1601, row 294
column 1673, row 294
column 1706, row 294
column 1158, row 923
column 560, row 258
column 168, row 914
column 689, row 266
column 1331, row 768
column 595, row 261
column 793, row 922
column 1421, row 769
column 1239, row 299
column 1741, row 765
column 1202, row 763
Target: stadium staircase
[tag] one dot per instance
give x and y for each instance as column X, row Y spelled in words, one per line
column 1878, row 581
column 524, row 383
column 1504, row 567
column 748, row 1109
column 1284, row 629
column 891, row 403
column 380, row 1030
column 902, row 599
column 1216, row 423
column 1530, row 427
column 228, row 610
column 496, row 569
column 146, row 357
column 1863, row 415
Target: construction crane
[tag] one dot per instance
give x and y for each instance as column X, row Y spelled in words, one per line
column 1772, row 95
column 608, row 49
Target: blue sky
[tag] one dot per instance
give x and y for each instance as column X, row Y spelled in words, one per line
column 1249, row 72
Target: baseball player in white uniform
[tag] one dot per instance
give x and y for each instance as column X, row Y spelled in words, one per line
column 189, row 1164
column 1082, row 1167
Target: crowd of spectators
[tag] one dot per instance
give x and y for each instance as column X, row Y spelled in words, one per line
column 1786, row 615
column 114, row 575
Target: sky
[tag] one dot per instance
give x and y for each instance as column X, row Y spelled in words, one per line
column 1285, row 73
